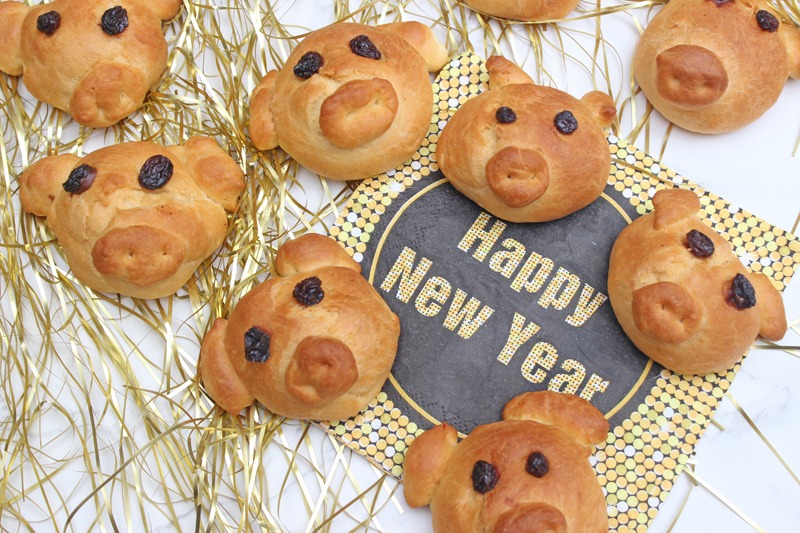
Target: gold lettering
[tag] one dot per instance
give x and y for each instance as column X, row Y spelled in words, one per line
column 570, row 382
column 437, row 289
column 586, row 307
column 478, row 233
column 556, row 284
column 543, row 354
column 402, row 270
column 506, row 262
column 535, row 263
column 465, row 315
column 595, row 384
column 517, row 337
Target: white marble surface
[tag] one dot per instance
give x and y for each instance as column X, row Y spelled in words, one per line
column 755, row 169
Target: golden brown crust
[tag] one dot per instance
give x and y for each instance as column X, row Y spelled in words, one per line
column 11, row 16
column 530, row 10
column 571, row 413
column 97, row 78
column 262, row 125
column 526, row 170
column 674, row 305
column 423, row 40
column 711, row 68
column 118, row 236
column 425, row 462
column 311, row 252
column 358, row 112
column 325, row 361
column 219, row 378
column 356, row 116
column 563, row 497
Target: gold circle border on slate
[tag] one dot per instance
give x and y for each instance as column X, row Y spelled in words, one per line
column 379, row 248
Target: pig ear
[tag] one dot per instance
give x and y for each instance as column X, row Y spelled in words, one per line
column 41, row 182
column 310, row 252
column 11, row 16
column 425, row 462
column 770, row 305
column 213, row 170
column 166, row 9
column 504, row 72
column 791, row 36
column 262, row 124
column 672, row 205
column 601, row 106
column 219, row 377
column 570, row 413
column 423, row 40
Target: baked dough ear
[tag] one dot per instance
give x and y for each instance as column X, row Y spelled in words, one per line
column 219, row 377
column 572, row 414
column 311, row 252
column 421, row 37
column 11, row 16
column 504, row 72
column 674, row 206
column 770, row 303
column 40, row 183
column 425, row 463
column 791, row 36
column 601, row 106
column 213, row 170
column 166, row 9
column 262, row 123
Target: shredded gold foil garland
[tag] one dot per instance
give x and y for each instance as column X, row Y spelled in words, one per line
column 104, row 424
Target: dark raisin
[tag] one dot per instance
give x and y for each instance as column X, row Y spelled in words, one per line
column 49, row 22
column 537, row 464
column 155, row 172
column 699, row 243
column 566, row 122
column 114, row 20
column 722, row 2
column 484, row 477
column 256, row 345
column 309, row 291
column 505, row 115
column 742, row 294
column 362, row 46
column 308, row 65
column 80, row 179
column 767, row 21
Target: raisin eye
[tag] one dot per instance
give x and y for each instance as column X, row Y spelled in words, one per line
column 256, row 345
column 566, row 122
column 49, row 22
column 484, row 477
column 699, row 243
column 115, row 20
column 505, row 115
column 362, row 46
column 767, row 21
column 80, row 179
column 308, row 65
column 155, row 172
column 742, row 294
column 537, row 464
column 309, row 291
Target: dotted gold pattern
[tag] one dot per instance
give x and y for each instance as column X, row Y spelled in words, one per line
column 642, row 456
